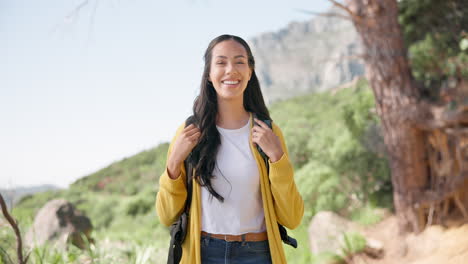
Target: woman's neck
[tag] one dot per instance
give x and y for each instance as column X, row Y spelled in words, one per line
column 231, row 115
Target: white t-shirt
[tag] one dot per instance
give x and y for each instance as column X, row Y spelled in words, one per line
column 237, row 179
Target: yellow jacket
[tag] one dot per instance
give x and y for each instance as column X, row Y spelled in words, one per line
column 282, row 202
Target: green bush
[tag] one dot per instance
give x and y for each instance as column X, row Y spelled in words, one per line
column 353, row 243
column 335, row 168
column 436, row 50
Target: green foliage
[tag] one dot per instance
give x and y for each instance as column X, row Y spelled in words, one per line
column 436, row 32
column 444, row 18
column 366, row 215
column 329, row 134
column 353, row 243
column 433, row 65
column 101, row 209
column 140, row 204
column 327, row 258
column 7, row 242
column 301, row 254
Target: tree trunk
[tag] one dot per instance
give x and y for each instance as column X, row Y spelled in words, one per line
column 389, row 74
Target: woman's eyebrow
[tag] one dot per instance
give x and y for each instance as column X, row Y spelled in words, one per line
column 224, row 57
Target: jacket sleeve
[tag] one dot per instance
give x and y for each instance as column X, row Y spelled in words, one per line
column 172, row 194
column 288, row 202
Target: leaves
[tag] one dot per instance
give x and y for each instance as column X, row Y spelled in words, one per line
column 327, row 137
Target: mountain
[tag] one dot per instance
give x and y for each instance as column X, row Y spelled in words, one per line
column 304, row 57
column 12, row 196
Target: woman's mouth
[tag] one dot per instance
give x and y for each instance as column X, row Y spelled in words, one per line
column 231, row 82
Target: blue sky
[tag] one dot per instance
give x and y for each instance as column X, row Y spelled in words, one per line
column 78, row 92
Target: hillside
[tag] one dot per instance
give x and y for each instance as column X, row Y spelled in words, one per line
column 139, row 170
column 13, row 195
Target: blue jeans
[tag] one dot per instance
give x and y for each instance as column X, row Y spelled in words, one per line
column 219, row 251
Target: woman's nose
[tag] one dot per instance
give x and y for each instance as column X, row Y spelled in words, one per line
column 231, row 68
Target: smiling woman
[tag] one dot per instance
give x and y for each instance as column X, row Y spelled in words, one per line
column 241, row 224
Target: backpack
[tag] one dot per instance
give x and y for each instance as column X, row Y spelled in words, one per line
column 178, row 229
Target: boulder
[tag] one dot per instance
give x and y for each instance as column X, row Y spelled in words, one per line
column 326, row 234
column 59, row 222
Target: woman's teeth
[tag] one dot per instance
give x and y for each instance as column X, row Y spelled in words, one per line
column 230, row 82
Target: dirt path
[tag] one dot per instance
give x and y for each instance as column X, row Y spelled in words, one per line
column 435, row 245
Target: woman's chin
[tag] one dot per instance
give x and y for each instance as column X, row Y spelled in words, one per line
column 230, row 96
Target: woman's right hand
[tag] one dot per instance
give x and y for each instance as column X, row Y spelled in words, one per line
column 183, row 145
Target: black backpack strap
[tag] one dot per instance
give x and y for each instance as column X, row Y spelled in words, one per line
column 188, row 183
column 188, row 172
column 178, row 229
column 286, row 238
column 283, row 232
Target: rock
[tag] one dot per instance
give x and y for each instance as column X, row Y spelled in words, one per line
column 59, row 223
column 310, row 56
column 326, row 234
column 374, row 248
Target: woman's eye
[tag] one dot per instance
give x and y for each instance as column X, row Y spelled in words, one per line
column 240, row 62
column 220, row 62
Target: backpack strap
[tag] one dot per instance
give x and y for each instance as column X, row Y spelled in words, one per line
column 188, row 183
column 283, row 232
column 188, row 172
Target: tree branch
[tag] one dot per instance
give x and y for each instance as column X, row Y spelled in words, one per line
column 326, row 14
column 14, row 225
column 430, row 196
column 353, row 15
column 77, row 9
column 91, row 23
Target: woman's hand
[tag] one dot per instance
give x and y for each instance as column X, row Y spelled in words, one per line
column 183, row 145
column 263, row 136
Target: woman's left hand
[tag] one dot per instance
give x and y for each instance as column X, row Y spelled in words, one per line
column 263, row 136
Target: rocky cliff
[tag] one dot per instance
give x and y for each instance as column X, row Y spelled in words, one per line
column 307, row 56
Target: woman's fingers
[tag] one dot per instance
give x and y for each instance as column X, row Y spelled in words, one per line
column 258, row 130
column 189, row 127
column 194, row 138
column 192, row 131
column 257, row 134
column 261, row 124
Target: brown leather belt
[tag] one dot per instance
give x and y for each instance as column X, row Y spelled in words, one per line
column 253, row 237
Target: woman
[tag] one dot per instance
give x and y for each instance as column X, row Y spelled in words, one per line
column 237, row 202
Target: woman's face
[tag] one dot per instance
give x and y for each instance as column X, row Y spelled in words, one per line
column 229, row 70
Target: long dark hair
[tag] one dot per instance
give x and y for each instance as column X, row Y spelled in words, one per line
column 205, row 110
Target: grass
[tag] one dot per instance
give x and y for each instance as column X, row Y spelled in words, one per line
column 301, row 254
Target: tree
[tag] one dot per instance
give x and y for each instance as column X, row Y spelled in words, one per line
column 404, row 113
